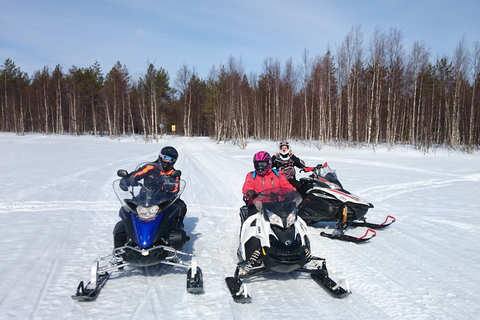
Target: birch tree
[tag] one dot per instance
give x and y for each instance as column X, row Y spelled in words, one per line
column 418, row 61
column 475, row 106
column 377, row 64
column 460, row 70
column 395, row 68
column 350, row 59
column 182, row 82
column 290, row 82
column 304, row 71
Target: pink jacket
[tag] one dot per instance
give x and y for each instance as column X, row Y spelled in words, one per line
column 270, row 180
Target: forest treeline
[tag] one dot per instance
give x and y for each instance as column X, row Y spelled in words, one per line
column 366, row 93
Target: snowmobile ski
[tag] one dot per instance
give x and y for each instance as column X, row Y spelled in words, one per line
column 334, row 289
column 86, row 293
column 321, row 277
column 237, row 290
column 370, row 225
column 195, row 281
column 345, row 237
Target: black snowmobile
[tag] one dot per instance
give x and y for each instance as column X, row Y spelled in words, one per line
column 149, row 232
column 276, row 240
column 325, row 199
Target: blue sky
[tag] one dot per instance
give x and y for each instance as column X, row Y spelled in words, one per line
column 201, row 34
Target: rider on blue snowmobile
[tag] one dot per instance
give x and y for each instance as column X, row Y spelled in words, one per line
column 151, row 231
column 167, row 158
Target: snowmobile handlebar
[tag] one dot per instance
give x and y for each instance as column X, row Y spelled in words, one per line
column 317, row 167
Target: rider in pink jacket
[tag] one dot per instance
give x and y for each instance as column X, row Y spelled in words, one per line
column 264, row 177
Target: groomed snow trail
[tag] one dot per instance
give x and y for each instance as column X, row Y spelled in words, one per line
column 58, row 210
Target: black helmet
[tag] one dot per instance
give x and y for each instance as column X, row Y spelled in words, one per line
column 167, row 157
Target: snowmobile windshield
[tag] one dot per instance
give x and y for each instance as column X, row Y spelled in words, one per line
column 330, row 176
column 279, row 205
column 152, row 191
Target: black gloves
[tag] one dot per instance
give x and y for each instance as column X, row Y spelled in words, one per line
column 126, row 182
column 250, row 193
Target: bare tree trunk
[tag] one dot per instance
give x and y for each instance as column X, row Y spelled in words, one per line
column 460, row 66
column 289, row 81
column 153, row 111
column 305, row 71
column 94, row 116
column 45, row 99
column 114, row 131
column 5, row 105
column 124, row 115
column 130, row 115
column 473, row 118
column 418, row 60
column 377, row 108
column 369, row 111
column 109, row 120
column 22, row 118
column 351, row 59
column 184, row 83
column 143, row 115
column 73, row 112
column 388, row 131
column 58, row 96
column 394, row 118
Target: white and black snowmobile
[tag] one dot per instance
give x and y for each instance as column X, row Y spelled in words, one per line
column 275, row 239
column 149, row 233
column 325, row 199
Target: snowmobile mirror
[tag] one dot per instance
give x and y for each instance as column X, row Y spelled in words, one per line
column 176, row 174
column 122, row 173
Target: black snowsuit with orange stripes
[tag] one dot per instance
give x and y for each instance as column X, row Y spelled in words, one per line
column 147, row 171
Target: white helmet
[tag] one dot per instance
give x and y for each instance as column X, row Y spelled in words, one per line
column 284, row 152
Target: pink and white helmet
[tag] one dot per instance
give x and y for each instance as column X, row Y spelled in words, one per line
column 262, row 162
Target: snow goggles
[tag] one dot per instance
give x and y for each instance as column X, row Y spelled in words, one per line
column 167, row 158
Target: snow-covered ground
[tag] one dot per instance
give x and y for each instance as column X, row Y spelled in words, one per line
column 58, row 210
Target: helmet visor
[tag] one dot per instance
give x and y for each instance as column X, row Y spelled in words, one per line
column 260, row 166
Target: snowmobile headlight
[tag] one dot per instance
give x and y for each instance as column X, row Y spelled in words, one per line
column 147, row 213
column 333, row 186
column 291, row 219
column 274, row 219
